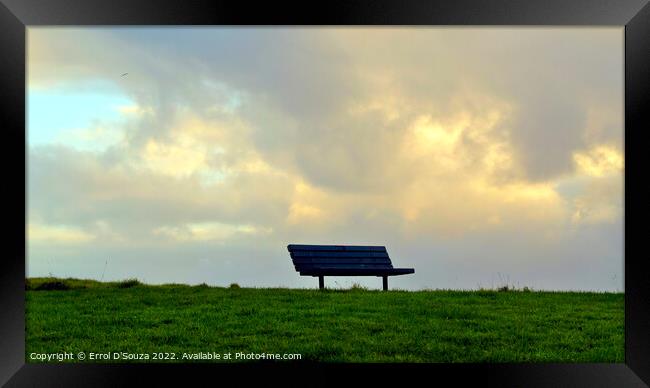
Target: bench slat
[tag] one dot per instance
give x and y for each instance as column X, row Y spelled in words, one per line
column 302, row 247
column 323, row 270
column 359, row 254
column 315, row 266
column 323, row 260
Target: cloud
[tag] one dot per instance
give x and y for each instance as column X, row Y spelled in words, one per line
column 207, row 231
column 57, row 234
column 86, row 187
column 599, row 161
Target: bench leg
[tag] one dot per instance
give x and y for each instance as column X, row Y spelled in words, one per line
column 385, row 282
column 321, row 282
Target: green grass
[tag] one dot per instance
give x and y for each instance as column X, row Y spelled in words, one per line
column 354, row 325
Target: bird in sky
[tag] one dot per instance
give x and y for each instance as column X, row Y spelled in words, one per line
column 124, row 74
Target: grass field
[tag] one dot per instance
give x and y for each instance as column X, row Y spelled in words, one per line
column 357, row 325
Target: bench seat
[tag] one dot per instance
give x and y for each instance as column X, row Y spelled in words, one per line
column 347, row 271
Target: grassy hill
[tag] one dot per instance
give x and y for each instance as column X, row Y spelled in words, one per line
column 354, row 325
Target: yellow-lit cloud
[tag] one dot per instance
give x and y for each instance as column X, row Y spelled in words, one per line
column 57, row 234
column 135, row 110
column 208, row 231
column 173, row 159
column 306, row 206
column 599, row 161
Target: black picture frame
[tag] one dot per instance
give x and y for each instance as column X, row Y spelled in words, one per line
column 17, row 15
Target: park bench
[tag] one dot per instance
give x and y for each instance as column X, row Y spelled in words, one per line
column 343, row 260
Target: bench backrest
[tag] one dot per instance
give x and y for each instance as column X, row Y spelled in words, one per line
column 307, row 257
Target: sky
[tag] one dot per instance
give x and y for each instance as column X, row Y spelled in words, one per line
column 481, row 157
